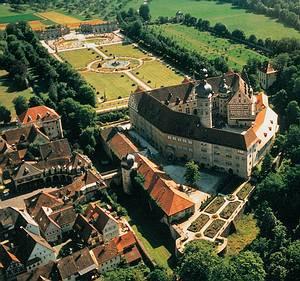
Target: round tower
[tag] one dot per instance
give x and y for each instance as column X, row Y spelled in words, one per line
column 128, row 164
column 203, row 92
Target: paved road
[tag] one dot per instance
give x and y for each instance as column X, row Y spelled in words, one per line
column 18, row 201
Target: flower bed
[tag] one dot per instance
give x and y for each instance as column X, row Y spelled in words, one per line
column 244, row 191
column 213, row 228
column 198, row 223
column 215, row 205
column 229, row 209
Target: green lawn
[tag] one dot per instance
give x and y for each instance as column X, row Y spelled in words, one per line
column 112, row 84
column 247, row 231
column 7, row 15
column 7, row 93
column 156, row 74
column 122, row 51
column 227, row 14
column 210, row 46
column 79, row 58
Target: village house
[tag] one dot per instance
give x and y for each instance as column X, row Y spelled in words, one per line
column 54, row 224
column 32, row 250
column 86, row 233
column 103, row 221
column 43, row 117
column 219, row 122
column 267, row 75
column 127, row 246
column 47, row 272
column 12, row 219
column 106, row 257
column 78, row 266
column 11, row 266
column 116, row 144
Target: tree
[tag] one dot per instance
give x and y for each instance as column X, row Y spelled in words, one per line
column 266, row 164
column 197, row 261
column 158, row 275
column 293, row 261
column 293, row 113
column 20, row 104
column 239, row 34
column 192, row 174
column 35, row 101
column 248, row 266
column 144, row 12
column 5, row 115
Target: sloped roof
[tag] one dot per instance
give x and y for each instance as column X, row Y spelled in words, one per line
column 76, row 263
column 42, row 199
column 41, row 273
column 268, row 68
column 83, row 227
column 118, row 143
column 161, row 188
column 26, row 241
column 66, row 215
column 124, row 241
column 104, row 253
column 37, row 113
column 7, row 257
column 102, row 217
column 57, row 149
column 27, row 169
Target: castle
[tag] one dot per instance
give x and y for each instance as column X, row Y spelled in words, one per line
column 219, row 122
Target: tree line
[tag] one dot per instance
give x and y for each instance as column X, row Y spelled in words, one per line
column 287, row 12
column 268, row 45
column 54, row 84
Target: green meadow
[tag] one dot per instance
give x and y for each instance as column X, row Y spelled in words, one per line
column 210, row 46
column 232, row 17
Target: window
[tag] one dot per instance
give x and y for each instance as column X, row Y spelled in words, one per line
column 190, row 142
column 169, row 137
column 174, row 138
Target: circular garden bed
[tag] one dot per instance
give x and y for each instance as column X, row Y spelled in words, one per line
column 197, row 225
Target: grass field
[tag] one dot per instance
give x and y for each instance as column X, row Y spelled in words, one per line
column 232, row 17
column 247, row 231
column 7, row 93
column 112, row 84
column 59, row 18
column 210, row 46
column 123, row 51
column 158, row 73
column 79, row 58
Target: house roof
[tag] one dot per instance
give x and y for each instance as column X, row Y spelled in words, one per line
column 44, row 219
column 7, row 257
column 133, row 255
column 27, row 169
column 84, row 228
column 42, row 199
column 63, row 216
column 26, row 242
column 37, row 113
column 104, row 253
column 118, row 143
column 268, row 68
column 102, row 217
column 77, row 263
column 124, row 241
column 161, row 188
column 41, row 273
column 57, row 149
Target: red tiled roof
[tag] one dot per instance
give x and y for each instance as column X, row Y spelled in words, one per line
column 133, row 255
column 162, row 189
column 37, row 113
column 121, row 145
column 124, row 241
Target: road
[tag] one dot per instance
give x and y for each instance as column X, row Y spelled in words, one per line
column 18, row 201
